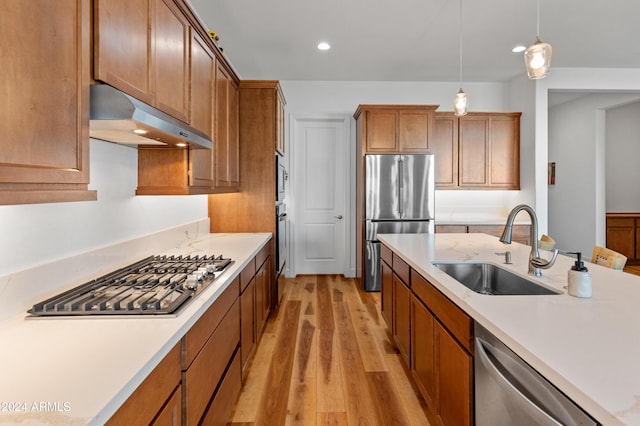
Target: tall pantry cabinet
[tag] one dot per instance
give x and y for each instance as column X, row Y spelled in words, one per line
column 261, row 106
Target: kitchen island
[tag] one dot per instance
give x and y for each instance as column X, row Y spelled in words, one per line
column 81, row 370
column 588, row 348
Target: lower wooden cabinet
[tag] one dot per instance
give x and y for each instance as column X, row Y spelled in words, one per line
column 171, row 414
column 435, row 340
column 521, row 233
column 401, row 327
column 219, row 411
column 454, row 379
column 154, row 399
column 386, row 292
column 623, row 235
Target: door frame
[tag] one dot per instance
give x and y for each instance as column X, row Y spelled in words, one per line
column 348, row 150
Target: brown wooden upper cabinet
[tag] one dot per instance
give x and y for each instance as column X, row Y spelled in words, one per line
column 227, row 143
column 477, row 151
column 44, row 149
column 395, row 128
column 142, row 48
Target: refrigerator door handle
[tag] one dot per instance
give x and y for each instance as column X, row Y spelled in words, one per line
column 400, row 181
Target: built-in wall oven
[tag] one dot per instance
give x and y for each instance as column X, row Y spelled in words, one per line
column 281, row 223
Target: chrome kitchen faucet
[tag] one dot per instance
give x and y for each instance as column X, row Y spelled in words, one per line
column 536, row 263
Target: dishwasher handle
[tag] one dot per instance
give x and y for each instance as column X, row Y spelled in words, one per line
column 514, row 387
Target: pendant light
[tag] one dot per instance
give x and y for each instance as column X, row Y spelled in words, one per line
column 461, row 100
column 537, row 57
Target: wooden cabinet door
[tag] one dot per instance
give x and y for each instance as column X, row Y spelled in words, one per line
column 203, row 68
column 280, row 123
column 401, row 324
column 489, row 151
column 381, row 131
column 454, row 378
column 170, row 36
column 386, row 293
column 621, row 236
column 423, row 353
column 171, row 414
column 247, row 323
column 444, row 145
column 44, row 149
column 226, row 145
column 504, row 152
column 123, row 46
column 414, row 128
column 263, row 295
column 473, row 146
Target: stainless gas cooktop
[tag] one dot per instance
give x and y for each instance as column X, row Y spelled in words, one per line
column 157, row 285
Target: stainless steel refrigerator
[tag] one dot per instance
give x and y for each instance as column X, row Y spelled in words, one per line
column 399, row 191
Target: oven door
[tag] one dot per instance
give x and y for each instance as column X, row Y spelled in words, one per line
column 281, row 237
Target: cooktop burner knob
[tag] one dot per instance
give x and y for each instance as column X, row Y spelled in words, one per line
column 211, row 268
column 203, row 272
column 191, row 283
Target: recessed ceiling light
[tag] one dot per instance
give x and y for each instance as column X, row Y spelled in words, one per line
column 140, row 131
column 519, row 49
column 324, row 46
column 181, row 144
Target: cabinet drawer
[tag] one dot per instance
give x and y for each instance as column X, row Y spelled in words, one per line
column 401, row 268
column 262, row 255
column 621, row 222
column 196, row 337
column 247, row 274
column 455, row 319
column 171, row 414
column 147, row 400
column 203, row 376
column 385, row 254
column 220, row 409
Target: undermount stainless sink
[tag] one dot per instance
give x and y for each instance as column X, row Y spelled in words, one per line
column 489, row 279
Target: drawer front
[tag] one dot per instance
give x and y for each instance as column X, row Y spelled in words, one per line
column 263, row 254
column 206, row 371
column 171, row 414
column 146, row 401
column 196, row 337
column 401, row 268
column 220, row 409
column 620, row 222
column 454, row 319
column 385, row 254
column 247, row 274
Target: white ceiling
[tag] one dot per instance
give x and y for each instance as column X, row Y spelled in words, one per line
column 417, row 40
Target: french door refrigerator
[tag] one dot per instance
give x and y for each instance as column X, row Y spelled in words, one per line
column 399, row 199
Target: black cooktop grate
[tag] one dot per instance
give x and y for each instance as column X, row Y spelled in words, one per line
column 157, row 285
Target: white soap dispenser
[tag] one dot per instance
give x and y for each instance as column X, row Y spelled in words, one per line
column 579, row 279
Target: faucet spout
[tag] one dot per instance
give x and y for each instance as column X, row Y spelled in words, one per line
column 536, row 263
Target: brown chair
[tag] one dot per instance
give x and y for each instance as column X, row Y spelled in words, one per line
column 607, row 257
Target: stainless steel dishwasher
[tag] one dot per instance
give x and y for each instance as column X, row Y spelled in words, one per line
column 509, row 392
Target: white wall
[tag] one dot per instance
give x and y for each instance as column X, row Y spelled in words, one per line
column 330, row 98
column 570, row 79
column 622, row 155
column 581, row 139
column 36, row 234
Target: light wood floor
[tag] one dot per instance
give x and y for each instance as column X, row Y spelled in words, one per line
column 326, row 359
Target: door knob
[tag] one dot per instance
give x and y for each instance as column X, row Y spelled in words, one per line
column 338, row 217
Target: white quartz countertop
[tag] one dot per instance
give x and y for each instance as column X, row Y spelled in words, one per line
column 588, row 348
column 77, row 371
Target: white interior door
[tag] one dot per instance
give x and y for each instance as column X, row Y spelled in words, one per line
column 320, row 186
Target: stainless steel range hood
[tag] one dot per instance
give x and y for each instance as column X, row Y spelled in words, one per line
column 120, row 118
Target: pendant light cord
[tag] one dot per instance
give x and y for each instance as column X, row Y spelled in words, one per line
column 460, row 29
column 538, row 20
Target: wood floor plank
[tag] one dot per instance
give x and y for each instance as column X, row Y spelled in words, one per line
column 359, row 401
column 333, row 419
column 370, row 350
column 388, row 405
column 274, row 400
column 310, row 367
column 406, row 391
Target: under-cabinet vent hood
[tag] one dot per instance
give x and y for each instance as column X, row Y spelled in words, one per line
column 120, row 118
